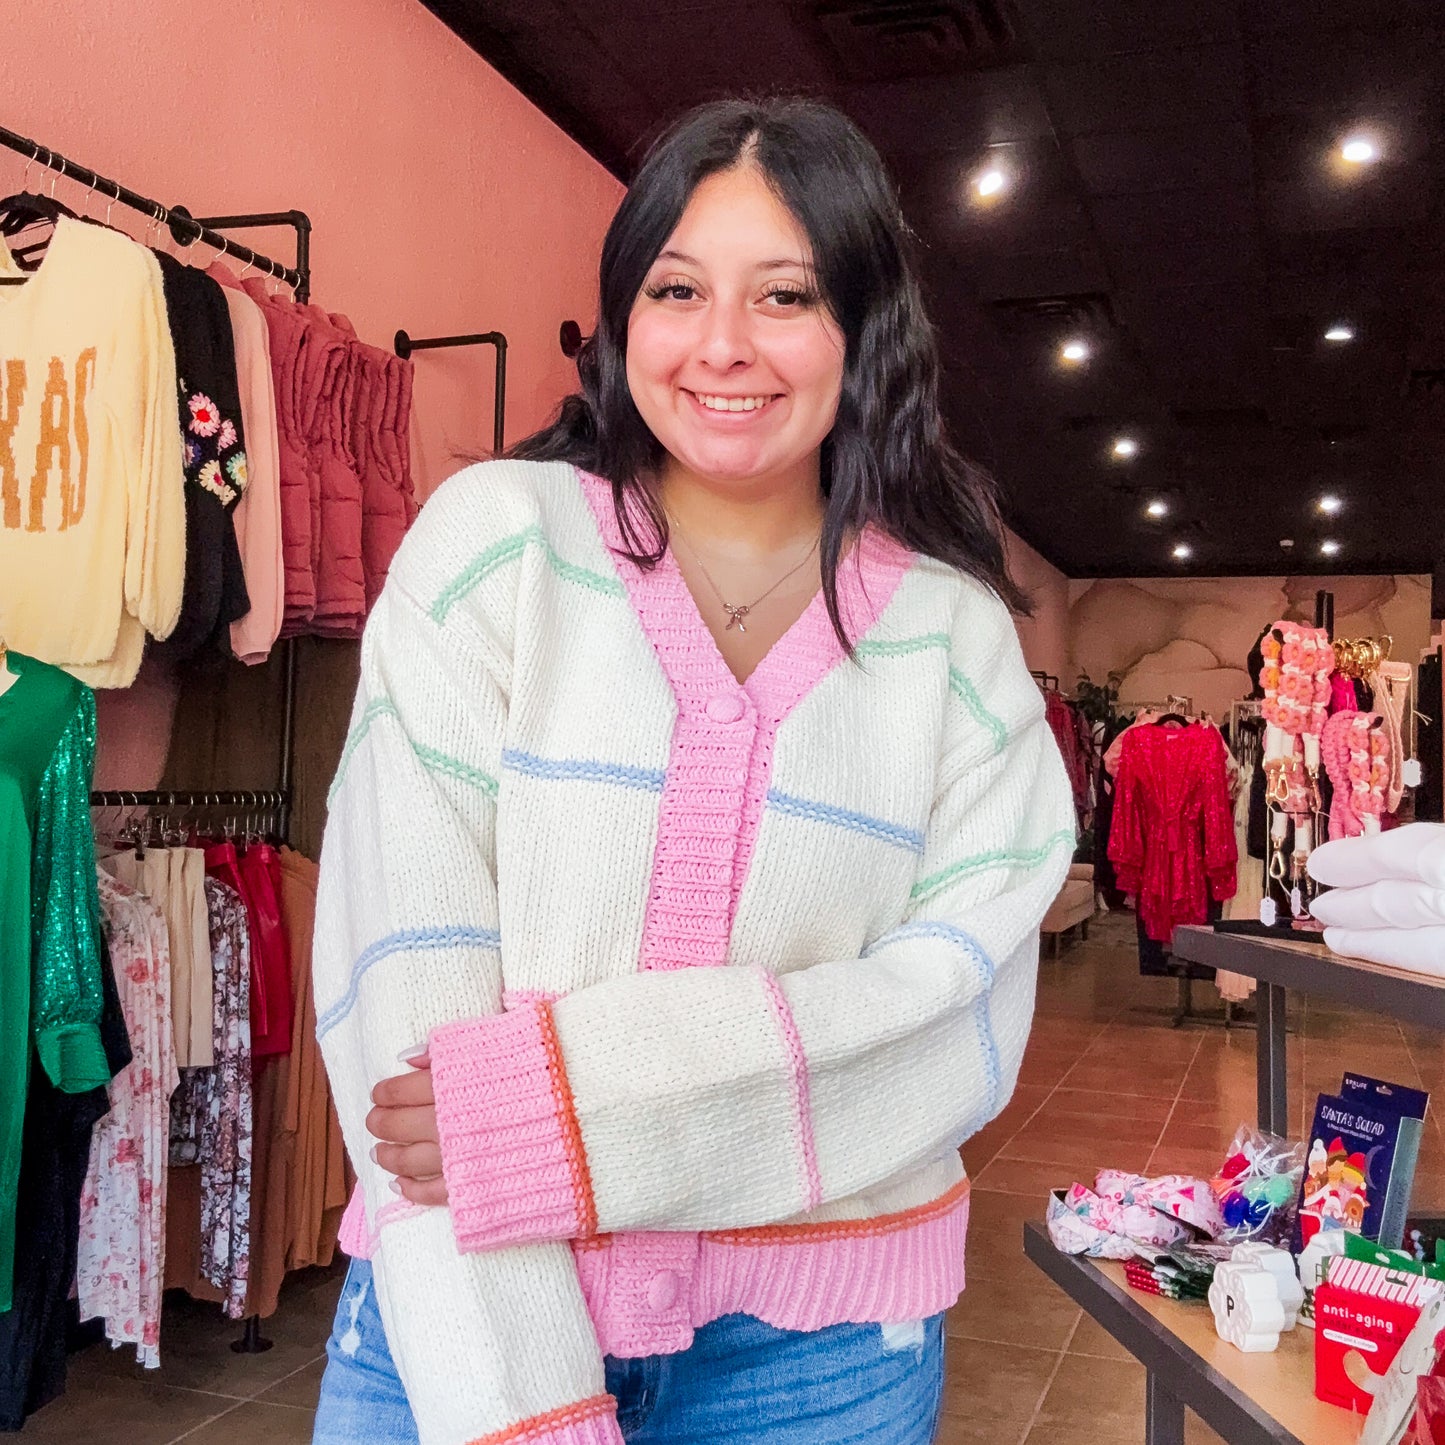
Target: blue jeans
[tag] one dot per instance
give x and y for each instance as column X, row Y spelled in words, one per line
column 742, row 1382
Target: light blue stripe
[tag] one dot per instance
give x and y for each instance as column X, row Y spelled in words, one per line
column 586, row 770
column 884, row 831
column 982, row 1022
column 407, row 941
column 932, row 928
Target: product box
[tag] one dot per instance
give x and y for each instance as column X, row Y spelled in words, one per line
column 1361, row 1164
column 1363, row 1314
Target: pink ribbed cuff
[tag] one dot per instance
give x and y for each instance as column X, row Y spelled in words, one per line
column 590, row 1422
column 512, row 1152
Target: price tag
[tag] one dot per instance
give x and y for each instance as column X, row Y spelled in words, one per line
column 1413, row 773
column 1268, row 912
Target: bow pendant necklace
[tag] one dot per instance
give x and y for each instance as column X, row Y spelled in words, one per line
column 737, row 613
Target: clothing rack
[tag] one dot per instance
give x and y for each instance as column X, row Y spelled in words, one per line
column 188, row 230
column 404, row 345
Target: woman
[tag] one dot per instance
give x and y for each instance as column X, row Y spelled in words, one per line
column 691, row 843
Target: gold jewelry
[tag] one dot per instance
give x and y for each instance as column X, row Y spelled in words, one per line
column 736, row 614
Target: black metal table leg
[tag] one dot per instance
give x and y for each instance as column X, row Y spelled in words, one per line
column 1271, row 1077
column 1163, row 1414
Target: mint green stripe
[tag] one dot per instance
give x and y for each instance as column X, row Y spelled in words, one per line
column 431, row 758
column 966, row 690
column 902, row 646
column 509, row 549
column 925, row 888
column 379, row 707
column 439, row 762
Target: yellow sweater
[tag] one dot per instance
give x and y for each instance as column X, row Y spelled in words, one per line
column 92, row 510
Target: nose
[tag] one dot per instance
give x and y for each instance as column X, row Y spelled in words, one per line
column 726, row 341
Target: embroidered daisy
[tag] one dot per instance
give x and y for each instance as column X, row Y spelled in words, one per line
column 228, row 434
column 210, row 477
column 205, row 419
column 237, row 471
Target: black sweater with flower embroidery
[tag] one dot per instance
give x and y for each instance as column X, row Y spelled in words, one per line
column 215, row 456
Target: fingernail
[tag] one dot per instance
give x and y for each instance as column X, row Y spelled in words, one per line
column 407, row 1055
column 374, row 1159
column 394, row 1185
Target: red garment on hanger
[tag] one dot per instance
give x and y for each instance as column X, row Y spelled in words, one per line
column 1172, row 840
column 256, row 876
column 1069, row 732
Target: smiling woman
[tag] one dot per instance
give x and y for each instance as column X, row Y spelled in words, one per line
column 699, row 887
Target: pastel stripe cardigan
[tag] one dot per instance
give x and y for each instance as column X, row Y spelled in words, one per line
column 716, row 977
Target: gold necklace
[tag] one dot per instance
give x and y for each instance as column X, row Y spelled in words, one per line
column 737, row 614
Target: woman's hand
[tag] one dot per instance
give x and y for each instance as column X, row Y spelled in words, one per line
column 404, row 1119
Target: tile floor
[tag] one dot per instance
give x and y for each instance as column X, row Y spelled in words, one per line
column 1105, row 1081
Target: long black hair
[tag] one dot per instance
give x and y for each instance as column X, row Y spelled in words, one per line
column 887, row 460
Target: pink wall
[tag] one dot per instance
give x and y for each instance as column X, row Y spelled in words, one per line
column 1045, row 635
column 443, row 201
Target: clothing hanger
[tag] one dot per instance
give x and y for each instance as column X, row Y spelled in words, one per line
column 26, row 208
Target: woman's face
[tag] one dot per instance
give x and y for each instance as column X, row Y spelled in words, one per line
column 733, row 360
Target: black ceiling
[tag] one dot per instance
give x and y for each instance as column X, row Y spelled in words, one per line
column 1179, row 198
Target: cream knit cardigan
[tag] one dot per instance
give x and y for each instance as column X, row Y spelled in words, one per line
column 556, row 801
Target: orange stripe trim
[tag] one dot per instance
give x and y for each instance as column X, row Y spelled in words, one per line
column 835, row 1229
column 571, row 1130
column 540, row 1426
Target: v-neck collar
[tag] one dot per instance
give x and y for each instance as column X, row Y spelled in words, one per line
column 795, row 663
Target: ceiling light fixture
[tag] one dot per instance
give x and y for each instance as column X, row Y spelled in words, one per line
column 1126, row 447
column 1183, row 552
column 1074, row 352
column 990, row 182
column 1360, row 150
column 1330, row 549
column 1157, row 508
column 1330, row 506
column 1340, row 331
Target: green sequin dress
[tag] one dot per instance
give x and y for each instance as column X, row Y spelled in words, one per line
column 50, row 988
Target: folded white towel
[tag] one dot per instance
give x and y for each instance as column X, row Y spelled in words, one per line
column 1416, row 852
column 1393, row 903
column 1421, row 950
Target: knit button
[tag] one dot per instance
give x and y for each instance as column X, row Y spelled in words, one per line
column 726, row 707
column 662, row 1290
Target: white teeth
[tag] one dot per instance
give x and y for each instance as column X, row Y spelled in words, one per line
column 732, row 403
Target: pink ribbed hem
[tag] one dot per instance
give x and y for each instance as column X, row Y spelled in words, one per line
column 512, row 1152
column 590, row 1422
column 647, row 1293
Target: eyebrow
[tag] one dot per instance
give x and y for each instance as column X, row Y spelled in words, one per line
column 782, row 264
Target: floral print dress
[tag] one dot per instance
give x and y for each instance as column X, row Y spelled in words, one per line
column 211, row 1114
column 121, row 1261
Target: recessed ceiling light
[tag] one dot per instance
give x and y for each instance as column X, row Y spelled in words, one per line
column 1183, row 552
column 1075, row 352
column 1360, row 150
column 1157, row 508
column 1330, row 549
column 1340, row 332
column 1330, row 505
column 1126, row 447
column 990, row 181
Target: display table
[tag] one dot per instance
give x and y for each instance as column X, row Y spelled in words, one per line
column 1280, row 965
column 1263, row 1399
column 1248, row 1399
